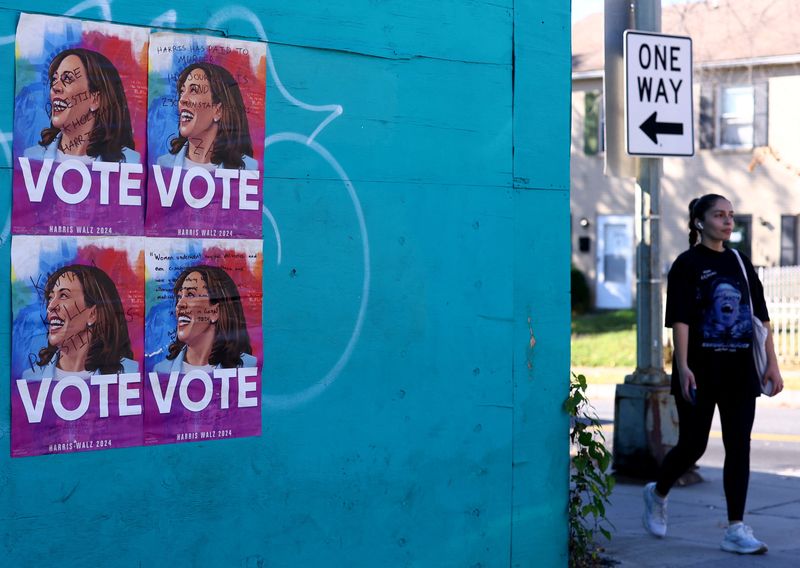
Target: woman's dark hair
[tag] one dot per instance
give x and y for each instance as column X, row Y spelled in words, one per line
column 233, row 136
column 698, row 208
column 231, row 338
column 109, row 340
column 112, row 129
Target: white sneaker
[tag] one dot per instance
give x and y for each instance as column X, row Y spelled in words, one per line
column 739, row 538
column 655, row 512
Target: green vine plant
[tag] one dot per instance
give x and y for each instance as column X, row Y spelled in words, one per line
column 591, row 482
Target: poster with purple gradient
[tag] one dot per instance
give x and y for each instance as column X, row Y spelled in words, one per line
column 207, row 100
column 77, row 343
column 204, row 341
column 80, row 112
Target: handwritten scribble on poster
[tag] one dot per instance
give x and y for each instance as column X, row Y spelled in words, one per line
column 84, row 375
column 77, row 344
column 79, row 127
column 205, row 136
column 204, row 339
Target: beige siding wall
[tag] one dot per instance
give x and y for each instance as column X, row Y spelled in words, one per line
column 593, row 193
column 764, row 182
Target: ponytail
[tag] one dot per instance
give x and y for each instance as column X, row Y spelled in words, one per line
column 693, row 234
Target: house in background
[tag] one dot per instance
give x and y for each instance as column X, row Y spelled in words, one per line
column 746, row 78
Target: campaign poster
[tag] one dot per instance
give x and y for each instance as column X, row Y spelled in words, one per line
column 204, row 344
column 77, row 343
column 80, row 112
column 205, row 125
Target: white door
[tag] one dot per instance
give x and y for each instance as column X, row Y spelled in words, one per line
column 615, row 261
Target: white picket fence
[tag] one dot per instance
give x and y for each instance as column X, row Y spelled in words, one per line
column 782, row 292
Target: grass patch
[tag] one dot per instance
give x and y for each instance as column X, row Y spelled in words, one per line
column 604, row 339
column 604, row 348
column 614, row 349
column 603, row 322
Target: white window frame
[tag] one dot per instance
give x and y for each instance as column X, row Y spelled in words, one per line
column 744, row 120
column 601, row 125
column 601, row 121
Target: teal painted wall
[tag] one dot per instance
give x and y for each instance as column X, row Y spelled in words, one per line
column 416, row 307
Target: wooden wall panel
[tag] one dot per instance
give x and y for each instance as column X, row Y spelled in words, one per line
column 407, row 421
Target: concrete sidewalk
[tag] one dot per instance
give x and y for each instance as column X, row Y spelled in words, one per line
column 697, row 514
column 697, row 520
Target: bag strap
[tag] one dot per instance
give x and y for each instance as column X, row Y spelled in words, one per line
column 746, row 279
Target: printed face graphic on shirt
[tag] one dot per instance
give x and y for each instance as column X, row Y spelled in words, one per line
column 726, row 304
column 726, row 319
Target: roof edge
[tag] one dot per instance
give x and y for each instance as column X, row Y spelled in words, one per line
column 791, row 59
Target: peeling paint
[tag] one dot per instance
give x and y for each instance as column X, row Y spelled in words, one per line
column 531, row 345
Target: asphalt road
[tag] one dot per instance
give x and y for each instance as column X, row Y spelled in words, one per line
column 775, row 446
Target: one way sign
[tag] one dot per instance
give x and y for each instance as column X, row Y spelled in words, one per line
column 658, row 95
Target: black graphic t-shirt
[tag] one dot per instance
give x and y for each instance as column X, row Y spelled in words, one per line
column 707, row 291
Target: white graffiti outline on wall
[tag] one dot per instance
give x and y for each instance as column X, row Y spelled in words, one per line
column 241, row 13
column 169, row 19
column 290, row 400
column 268, row 214
column 103, row 5
column 166, row 20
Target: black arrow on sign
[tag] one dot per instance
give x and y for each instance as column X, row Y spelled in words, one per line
column 653, row 128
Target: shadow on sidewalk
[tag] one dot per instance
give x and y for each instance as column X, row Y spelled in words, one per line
column 697, row 520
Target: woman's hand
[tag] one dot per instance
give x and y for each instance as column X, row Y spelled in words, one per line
column 687, row 383
column 773, row 375
column 680, row 339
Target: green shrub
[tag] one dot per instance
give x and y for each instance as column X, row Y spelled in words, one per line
column 581, row 297
column 591, row 482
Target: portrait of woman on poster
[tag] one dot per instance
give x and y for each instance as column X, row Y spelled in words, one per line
column 87, row 333
column 211, row 327
column 89, row 116
column 212, row 123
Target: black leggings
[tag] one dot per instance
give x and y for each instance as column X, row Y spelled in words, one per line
column 736, row 413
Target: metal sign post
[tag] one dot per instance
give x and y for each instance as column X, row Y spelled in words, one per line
column 644, row 411
column 618, row 16
column 658, row 122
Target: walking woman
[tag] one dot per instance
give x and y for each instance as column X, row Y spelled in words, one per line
column 708, row 309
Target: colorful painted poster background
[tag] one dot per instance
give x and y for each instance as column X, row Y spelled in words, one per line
column 204, row 339
column 80, row 113
column 87, row 188
column 77, row 303
column 207, row 99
